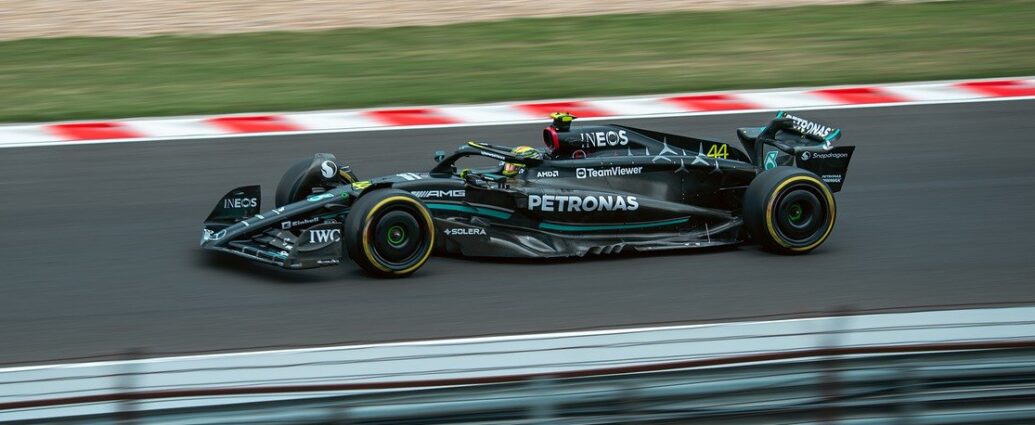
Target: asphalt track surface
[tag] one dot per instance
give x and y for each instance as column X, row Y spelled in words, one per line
column 99, row 244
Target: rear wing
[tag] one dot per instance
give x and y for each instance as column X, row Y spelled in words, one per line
column 831, row 166
column 806, row 129
column 790, row 140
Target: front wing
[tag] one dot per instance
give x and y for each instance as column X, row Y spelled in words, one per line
column 301, row 235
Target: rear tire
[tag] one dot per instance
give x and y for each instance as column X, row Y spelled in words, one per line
column 389, row 233
column 789, row 210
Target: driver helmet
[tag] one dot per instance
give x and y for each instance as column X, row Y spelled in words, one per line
column 511, row 169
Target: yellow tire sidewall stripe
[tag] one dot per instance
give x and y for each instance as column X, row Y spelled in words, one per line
column 772, row 201
column 366, row 234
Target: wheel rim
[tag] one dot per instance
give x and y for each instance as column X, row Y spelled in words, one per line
column 796, row 213
column 399, row 237
column 396, row 236
column 800, row 214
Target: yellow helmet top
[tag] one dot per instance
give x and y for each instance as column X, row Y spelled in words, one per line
column 511, row 169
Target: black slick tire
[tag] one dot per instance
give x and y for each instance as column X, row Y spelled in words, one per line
column 290, row 187
column 389, row 233
column 789, row 210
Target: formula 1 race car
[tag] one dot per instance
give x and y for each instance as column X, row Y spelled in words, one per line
column 594, row 190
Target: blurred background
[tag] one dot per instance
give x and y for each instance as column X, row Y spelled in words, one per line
column 916, row 310
column 93, row 59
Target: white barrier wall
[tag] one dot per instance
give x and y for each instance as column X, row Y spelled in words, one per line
column 489, row 356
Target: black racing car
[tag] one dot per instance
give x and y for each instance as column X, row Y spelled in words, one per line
column 597, row 189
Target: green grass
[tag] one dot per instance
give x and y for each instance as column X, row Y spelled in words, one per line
column 75, row 78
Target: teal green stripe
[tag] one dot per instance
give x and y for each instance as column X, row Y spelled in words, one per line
column 470, row 210
column 586, row 227
column 834, row 134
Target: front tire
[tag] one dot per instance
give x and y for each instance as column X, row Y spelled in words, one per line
column 789, row 210
column 307, row 177
column 389, row 233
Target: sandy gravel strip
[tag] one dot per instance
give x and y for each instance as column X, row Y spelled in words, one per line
column 130, row 18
